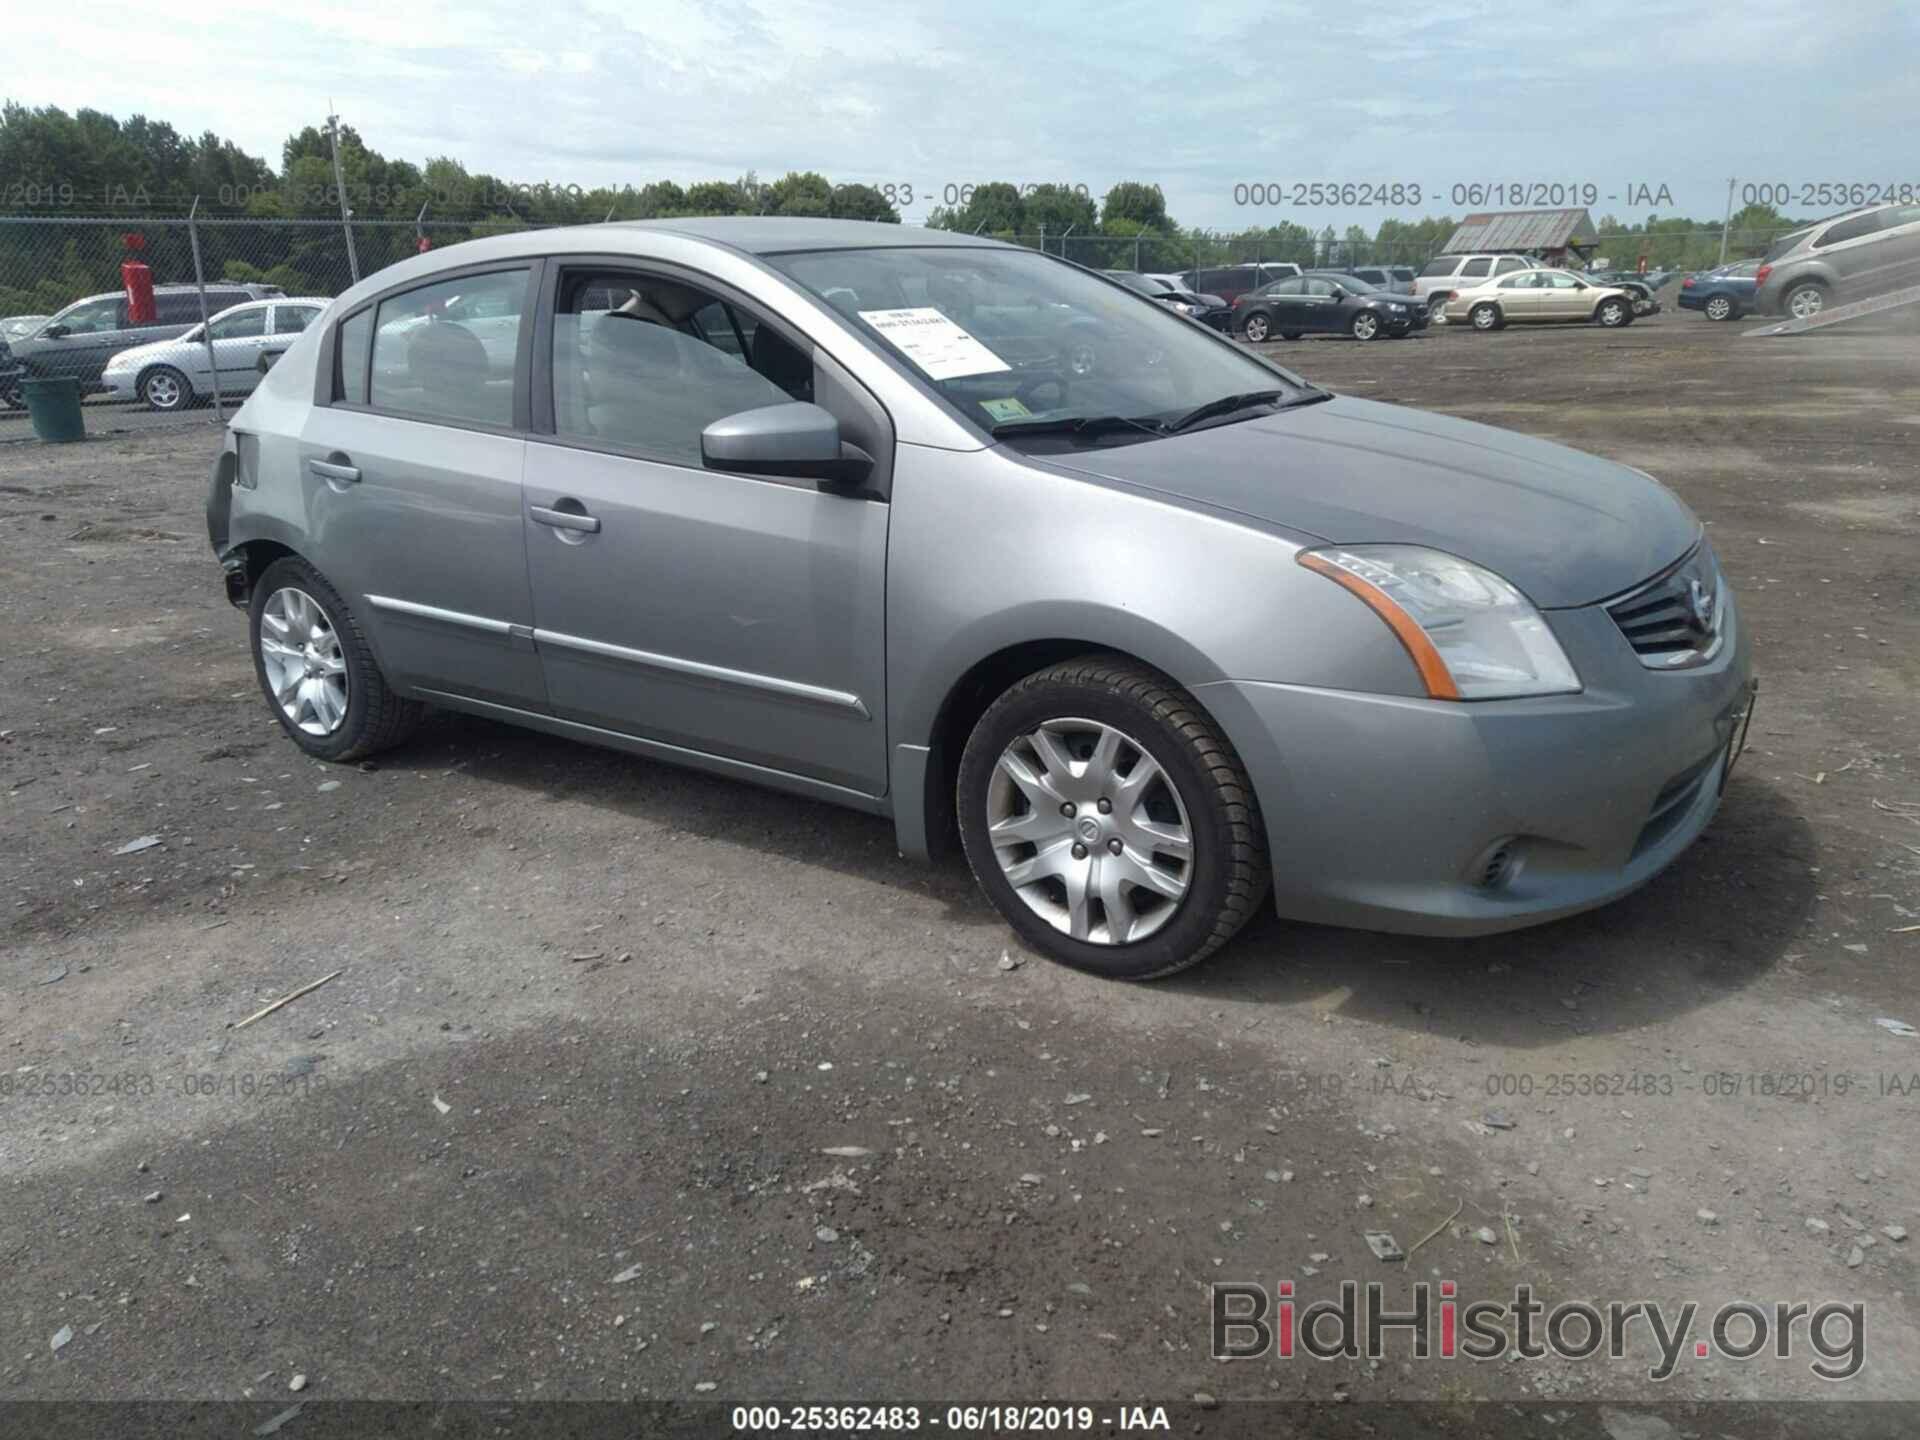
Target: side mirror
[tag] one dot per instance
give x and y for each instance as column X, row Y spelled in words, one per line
column 1339, row 292
column 797, row 440
column 56, row 332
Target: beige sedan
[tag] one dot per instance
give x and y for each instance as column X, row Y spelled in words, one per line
column 1539, row 295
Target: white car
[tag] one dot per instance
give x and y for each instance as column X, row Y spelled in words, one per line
column 1446, row 273
column 172, row 374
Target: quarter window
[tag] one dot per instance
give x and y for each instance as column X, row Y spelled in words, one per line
column 350, row 379
column 1852, row 229
column 1509, row 264
column 292, row 319
column 447, row 350
column 646, row 364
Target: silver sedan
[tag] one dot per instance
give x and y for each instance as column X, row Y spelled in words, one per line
column 981, row 542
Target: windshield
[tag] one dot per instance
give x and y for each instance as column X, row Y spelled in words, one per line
column 1009, row 337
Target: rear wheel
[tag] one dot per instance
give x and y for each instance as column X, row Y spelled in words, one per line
column 1290, row 334
column 1437, row 310
column 165, row 388
column 1365, row 325
column 316, row 669
column 1719, row 308
column 1806, row 300
column 1258, row 327
column 1109, row 820
column 1486, row 316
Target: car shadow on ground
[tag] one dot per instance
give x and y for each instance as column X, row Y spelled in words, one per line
column 1722, row 916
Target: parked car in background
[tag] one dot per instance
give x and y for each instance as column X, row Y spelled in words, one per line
column 1209, row 310
column 1395, row 279
column 1156, row 642
column 172, row 374
column 18, row 327
column 1325, row 303
column 80, row 339
column 1229, row 281
column 1843, row 258
column 11, row 374
column 1539, row 296
column 1446, row 273
column 1723, row 294
column 1640, row 286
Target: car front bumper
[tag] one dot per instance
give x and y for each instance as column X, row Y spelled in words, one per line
column 1448, row 818
column 120, row 384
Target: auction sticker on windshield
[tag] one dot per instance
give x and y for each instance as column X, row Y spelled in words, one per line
column 934, row 343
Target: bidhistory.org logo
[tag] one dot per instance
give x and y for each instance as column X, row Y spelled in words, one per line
column 1249, row 1322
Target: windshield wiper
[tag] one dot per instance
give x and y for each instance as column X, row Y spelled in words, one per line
column 1227, row 404
column 1077, row 425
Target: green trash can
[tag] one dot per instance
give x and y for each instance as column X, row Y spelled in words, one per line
column 53, row 403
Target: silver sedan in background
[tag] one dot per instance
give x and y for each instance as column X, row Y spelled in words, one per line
column 969, row 537
column 173, row 374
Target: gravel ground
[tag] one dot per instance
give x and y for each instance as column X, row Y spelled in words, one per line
column 631, row 1081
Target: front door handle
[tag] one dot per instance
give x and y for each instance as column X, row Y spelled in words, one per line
column 566, row 519
column 332, row 470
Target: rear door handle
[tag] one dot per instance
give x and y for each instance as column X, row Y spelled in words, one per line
column 565, row 519
column 328, row 470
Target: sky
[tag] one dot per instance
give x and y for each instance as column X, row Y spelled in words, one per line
column 1200, row 97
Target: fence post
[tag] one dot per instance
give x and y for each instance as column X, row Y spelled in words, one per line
column 1727, row 221
column 206, row 320
column 340, row 184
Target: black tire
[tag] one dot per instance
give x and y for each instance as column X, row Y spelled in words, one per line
column 1290, row 334
column 1436, row 309
column 1258, row 327
column 376, row 718
column 1613, row 312
column 1816, row 296
column 1366, row 325
column 1486, row 316
column 173, row 390
column 1720, row 307
column 1228, row 875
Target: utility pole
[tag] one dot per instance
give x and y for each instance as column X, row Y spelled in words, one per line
column 340, row 184
column 1727, row 221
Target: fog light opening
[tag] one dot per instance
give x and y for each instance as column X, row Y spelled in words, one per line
column 1497, row 865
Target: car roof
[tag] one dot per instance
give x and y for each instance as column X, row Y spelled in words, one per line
column 776, row 234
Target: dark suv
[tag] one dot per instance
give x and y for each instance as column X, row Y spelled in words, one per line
column 83, row 337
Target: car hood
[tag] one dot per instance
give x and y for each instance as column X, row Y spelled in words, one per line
column 1568, row 528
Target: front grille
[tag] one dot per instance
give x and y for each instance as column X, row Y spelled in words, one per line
column 1678, row 618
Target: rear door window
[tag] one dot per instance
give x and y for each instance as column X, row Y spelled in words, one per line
column 446, row 351
column 1475, row 269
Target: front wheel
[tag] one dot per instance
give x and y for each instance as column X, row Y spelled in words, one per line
column 1365, row 325
column 1257, row 328
column 1612, row 313
column 1110, row 821
column 317, row 670
column 165, row 388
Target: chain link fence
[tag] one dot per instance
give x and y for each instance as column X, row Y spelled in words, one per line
column 47, row 264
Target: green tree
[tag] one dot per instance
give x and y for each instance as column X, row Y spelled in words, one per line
column 862, row 202
column 1135, row 203
column 800, row 194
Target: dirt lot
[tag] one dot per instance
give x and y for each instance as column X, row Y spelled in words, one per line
column 565, row 1124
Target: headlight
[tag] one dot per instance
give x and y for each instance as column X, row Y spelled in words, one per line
column 1183, row 307
column 1471, row 635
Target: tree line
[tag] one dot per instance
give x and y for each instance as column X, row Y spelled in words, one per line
column 55, row 165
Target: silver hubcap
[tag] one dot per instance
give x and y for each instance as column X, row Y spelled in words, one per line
column 1483, row 318
column 1090, row 832
column 1257, row 328
column 1609, row 313
column 1718, row 308
column 1807, row 302
column 1364, row 326
column 306, row 668
column 164, row 391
